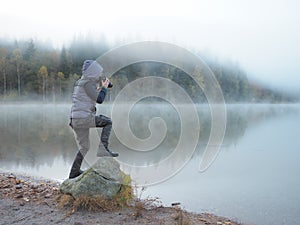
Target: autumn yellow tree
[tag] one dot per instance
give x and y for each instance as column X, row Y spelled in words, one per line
column 60, row 77
column 43, row 75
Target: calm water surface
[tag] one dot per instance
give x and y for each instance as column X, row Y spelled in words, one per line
column 255, row 177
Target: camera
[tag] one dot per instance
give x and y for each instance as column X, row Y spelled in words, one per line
column 110, row 85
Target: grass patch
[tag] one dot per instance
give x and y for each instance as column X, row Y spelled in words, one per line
column 123, row 199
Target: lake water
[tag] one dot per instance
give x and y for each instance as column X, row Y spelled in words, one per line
column 254, row 179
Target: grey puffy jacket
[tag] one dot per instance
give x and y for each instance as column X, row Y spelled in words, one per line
column 85, row 94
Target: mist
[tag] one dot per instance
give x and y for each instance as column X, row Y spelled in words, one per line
column 251, row 48
column 261, row 36
column 35, row 70
column 36, row 140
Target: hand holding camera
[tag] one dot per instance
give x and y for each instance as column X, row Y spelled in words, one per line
column 106, row 83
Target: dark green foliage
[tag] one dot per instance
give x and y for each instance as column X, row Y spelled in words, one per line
column 19, row 75
column 30, row 52
column 64, row 63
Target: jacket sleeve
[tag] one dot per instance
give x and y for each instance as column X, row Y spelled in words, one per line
column 91, row 90
column 101, row 95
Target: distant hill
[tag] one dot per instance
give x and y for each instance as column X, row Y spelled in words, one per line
column 30, row 68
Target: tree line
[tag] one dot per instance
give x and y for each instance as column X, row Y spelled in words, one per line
column 32, row 70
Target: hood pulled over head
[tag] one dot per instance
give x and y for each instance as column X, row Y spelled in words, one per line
column 92, row 70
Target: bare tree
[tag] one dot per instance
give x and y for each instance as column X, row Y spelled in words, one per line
column 3, row 55
column 18, row 59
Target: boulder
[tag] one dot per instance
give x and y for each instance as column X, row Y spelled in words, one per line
column 104, row 178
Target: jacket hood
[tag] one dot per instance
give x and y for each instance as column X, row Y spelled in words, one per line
column 91, row 70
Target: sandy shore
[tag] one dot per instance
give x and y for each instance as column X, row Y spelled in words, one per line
column 28, row 200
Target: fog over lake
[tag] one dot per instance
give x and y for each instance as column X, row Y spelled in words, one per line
column 255, row 177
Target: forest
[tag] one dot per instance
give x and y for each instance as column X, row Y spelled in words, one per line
column 35, row 71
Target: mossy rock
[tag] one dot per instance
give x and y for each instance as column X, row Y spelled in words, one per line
column 104, row 178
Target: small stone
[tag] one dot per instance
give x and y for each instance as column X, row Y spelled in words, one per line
column 18, row 181
column 175, row 203
column 11, row 176
column 18, row 186
column 78, row 223
column 34, row 186
column 48, row 195
column 6, row 186
column 19, row 196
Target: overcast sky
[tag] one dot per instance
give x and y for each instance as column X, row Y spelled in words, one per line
column 261, row 35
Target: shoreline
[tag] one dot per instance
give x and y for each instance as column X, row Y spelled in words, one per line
column 34, row 200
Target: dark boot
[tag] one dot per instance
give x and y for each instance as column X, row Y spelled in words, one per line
column 75, row 170
column 106, row 124
column 113, row 154
column 102, row 152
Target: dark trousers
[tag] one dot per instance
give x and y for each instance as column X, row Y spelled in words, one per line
column 81, row 127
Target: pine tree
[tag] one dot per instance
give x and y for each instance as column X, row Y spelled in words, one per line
column 64, row 65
